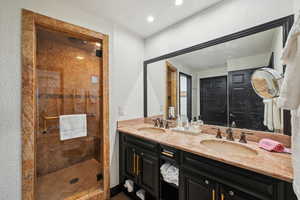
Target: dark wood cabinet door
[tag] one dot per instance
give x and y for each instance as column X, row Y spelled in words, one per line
column 193, row 187
column 246, row 108
column 148, row 172
column 129, row 156
column 213, row 100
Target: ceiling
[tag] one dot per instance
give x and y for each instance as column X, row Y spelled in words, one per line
column 133, row 14
column 217, row 56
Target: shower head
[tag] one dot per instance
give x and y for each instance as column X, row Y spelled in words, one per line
column 77, row 41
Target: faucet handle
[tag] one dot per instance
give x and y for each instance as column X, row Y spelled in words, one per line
column 161, row 123
column 219, row 133
column 167, row 125
column 243, row 137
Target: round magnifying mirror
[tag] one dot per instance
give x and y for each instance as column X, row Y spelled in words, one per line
column 266, row 83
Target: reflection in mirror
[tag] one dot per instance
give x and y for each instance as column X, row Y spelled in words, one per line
column 215, row 83
column 266, row 83
column 185, row 95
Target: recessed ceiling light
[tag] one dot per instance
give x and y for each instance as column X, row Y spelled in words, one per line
column 79, row 57
column 178, row 2
column 150, row 19
column 98, row 44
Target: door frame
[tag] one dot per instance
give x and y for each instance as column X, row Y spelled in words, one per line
column 170, row 67
column 189, row 97
column 30, row 21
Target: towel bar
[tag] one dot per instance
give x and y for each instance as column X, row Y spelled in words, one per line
column 57, row 117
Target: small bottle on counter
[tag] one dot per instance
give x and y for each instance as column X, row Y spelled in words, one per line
column 179, row 122
column 200, row 121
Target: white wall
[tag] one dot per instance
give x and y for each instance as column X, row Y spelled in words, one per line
column 156, row 78
column 296, row 6
column 225, row 18
column 126, row 56
column 248, row 62
column 277, row 50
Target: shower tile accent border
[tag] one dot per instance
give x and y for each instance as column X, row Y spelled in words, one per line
column 29, row 22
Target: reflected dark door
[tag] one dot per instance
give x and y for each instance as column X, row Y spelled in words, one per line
column 185, row 95
column 213, row 100
column 246, row 108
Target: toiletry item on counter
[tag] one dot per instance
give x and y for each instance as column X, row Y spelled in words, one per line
column 200, row 121
column 194, row 123
column 179, row 122
column 141, row 194
column 188, row 131
column 171, row 112
column 185, row 122
column 129, row 185
column 272, row 145
column 170, row 173
column 72, row 126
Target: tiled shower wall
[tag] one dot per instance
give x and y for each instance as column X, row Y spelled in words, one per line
column 68, row 71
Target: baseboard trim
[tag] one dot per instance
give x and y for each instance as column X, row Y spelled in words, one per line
column 115, row 190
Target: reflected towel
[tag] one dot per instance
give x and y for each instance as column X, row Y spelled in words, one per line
column 272, row 115
column 268, row 116
column 72, row 126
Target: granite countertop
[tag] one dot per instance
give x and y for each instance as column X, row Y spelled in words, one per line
column 276, row 165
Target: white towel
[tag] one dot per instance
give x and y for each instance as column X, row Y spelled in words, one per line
column 141, row 194
column 290, row 95
column 277, row 124
column 72, row 126
column 272, row 115
column 170, row 173
column 129, row 184
column 268, row 116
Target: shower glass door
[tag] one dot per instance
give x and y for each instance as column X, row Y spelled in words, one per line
column 68, row 73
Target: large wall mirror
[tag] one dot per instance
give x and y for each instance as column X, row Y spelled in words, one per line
column 213, row 80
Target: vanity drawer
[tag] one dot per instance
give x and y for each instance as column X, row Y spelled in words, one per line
column 141, row 143
column 257, row 185
column 170, row 154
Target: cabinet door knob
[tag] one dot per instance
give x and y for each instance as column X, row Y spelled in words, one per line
column 231, row 193
column 206, row 182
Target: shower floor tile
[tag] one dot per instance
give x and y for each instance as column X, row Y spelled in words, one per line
column 67, row 182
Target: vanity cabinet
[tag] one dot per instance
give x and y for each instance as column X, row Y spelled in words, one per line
column 230, row 182
column 195, row 187
column 139, row 162
column 199, row 178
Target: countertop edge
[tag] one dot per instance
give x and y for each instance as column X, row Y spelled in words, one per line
column 239, row 165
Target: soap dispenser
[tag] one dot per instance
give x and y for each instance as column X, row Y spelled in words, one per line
column 200, row 121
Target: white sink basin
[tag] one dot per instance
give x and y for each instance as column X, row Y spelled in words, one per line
column 151, row 130
column 229, row 148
